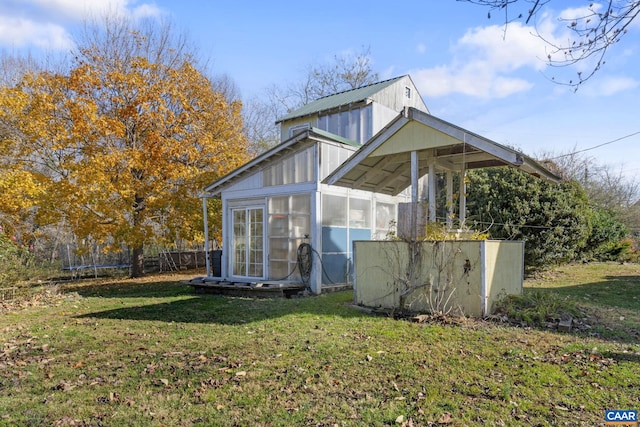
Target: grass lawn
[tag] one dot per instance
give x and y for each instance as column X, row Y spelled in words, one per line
column 151, row 353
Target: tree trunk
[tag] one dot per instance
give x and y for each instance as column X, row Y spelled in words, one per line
column 137, row 261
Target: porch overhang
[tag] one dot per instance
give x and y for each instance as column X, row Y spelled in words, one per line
column 384, row 164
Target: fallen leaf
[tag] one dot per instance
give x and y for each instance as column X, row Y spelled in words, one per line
column 445, row 419
column 400, row 419
column 164, row 381
column 241, row 374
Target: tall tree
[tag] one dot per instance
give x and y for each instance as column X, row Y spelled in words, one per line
column 594, row 28
column 607, row 188
column 18, row 187
column 123, row 142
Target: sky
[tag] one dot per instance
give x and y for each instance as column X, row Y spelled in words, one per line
column 470, row 69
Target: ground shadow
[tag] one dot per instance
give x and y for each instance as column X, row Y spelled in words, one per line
column 206, row 308
column 614, row 292
column 619, row 357
column 157, row 287
column 186, row 306
column 612, row 305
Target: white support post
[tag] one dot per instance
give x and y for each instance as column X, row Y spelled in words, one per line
column 414, row 177
column 206, row 236
column 432, row 190
column 449, row 220
column 463, row 195
column 414, row 194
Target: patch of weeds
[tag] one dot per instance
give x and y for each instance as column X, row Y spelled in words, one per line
column 536, row 308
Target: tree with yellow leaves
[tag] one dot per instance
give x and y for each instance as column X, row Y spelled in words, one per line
column 120, row 145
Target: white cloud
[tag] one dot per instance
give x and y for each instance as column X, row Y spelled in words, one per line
column 46, row 23
column 19, row 33
column 146, row 11
column 494, row 61
column 421, row 48
column 484, row 62
column 78, row 10
column 503, row 51
column 442, row 81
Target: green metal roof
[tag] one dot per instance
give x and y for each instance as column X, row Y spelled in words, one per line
column 337, row 138
column 338, row 99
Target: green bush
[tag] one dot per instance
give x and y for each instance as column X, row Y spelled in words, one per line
column 606, row 240
column 536, row 308
column 552, row 219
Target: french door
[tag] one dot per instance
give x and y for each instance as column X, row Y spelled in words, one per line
column 247, row 258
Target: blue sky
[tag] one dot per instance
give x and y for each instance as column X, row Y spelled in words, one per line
column 468, row 70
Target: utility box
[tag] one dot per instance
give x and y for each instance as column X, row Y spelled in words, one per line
column 216, row 263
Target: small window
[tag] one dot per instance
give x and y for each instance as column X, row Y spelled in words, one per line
column 407, row 92
column 297, row 129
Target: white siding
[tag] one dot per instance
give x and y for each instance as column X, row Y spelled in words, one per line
column 251, row 182
column 382, row 116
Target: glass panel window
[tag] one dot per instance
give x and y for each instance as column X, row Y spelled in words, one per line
column 354, row 126
column 344, row 124
column 367, row 123
column 300, row 204
column 248, row 251
column 289, row 223
column 301, row 169
column 291, row 170
column 278, row 204
column 323, row 123
column 385, row 213
column 334, row 210
column 359, row 213
column 334, row 124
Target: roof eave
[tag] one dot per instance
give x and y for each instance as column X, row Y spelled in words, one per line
column 215, row 189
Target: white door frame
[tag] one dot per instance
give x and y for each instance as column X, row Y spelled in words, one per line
column 249, row 239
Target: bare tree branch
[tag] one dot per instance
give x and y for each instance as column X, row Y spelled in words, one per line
column 592, row 32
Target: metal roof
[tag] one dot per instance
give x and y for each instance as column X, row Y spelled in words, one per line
column 341, row 98
column 383, row 164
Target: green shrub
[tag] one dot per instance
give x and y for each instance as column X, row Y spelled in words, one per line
column 536, row 308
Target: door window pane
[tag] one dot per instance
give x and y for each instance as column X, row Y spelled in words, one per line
column 248, row 242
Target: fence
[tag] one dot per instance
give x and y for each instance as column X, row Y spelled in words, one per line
column 175, row 261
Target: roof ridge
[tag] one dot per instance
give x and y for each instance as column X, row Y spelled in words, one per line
column 331, row 101
column 361, row 87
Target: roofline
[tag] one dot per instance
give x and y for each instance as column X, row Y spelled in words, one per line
column 513, row 157
column 287, row 118
column 399, row 121
column 314, row 134
column 485, row 144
